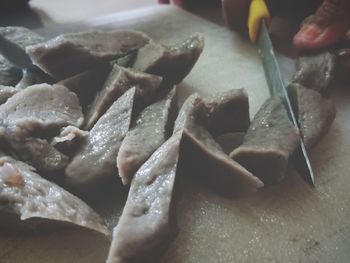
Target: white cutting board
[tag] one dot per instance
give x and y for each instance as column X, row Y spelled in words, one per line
column 288, row 222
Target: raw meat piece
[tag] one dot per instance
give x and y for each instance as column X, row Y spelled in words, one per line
column 69, row 135
column 32, row 76
column 316, row 71
column 7, row 92
column 172, row 63
column 42, row 106
column 145, row 224
column 269, row 142
column 96, row 158
column 315, row 113
column 9, row 74
column 70, row 54
column 198, row 142
column 26, row 194
column 150, row 131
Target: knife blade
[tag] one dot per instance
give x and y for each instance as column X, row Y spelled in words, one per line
column 277, row 88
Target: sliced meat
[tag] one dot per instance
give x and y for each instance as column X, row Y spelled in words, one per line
column 149, row 132
column 145, row 224
column 269, row 142
column 42, row 106
column 7, row 92
column 228, row 112
column 32, row 76
column 199, row 143
column 29, row 196
column 315, row 113
column 69, row 135
column 70, row 54
column 120, row 80
column 87, row 84
column 96, row 158
column 172, row 63
column 13, row 42
column 316, row 71
column 9, row 74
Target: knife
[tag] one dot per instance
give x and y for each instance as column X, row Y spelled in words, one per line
column 258, row 32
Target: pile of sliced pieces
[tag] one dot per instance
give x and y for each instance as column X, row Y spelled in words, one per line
column 80, row 109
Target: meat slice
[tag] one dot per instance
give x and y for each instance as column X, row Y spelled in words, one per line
column 269, row 142
column 69, row 135
column 145, row 224
column 70, row 54
column 199, row 143
column 14, row 41
column 87, row 84
column 120, row 80
column 150, row 130
column 9, row 74
column 42, row 107
column 96, row 158
column 7, row 92
column 315, row 113
column 316, row 71
column 172, row 63
column 228, row 112
column 28, row 196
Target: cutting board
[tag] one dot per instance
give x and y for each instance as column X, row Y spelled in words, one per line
column 287, row 222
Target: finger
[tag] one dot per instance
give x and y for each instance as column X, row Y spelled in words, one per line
column 327, row 26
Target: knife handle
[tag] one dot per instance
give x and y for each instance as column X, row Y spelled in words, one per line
column 257, row 11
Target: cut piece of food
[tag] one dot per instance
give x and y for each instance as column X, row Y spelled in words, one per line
column 228, row 112
column 315, row 113
column 9, row 74
column 96, row 158
column 145, row 224
column 87, row 84
column 120, row 80
column 25, row 194
column 32, row 76
column 70, row 54
column 37, row 152
column 172, row 63
column 150, row 130
column 69, row 135
column 316, row 71
column 42, row 106
column 14, row 41
column 199, row 143
column 7, row 92
column 269, row 142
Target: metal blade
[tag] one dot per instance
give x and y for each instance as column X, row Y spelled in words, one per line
column 277, row 88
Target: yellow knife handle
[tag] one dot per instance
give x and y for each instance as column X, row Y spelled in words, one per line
column 257, row 11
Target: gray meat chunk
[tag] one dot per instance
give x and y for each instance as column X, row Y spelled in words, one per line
column 70, row 54
column 269, row 142
column 32, row 76
column 315, row 113
column 120, row 80
column 96, row 158
column 9, row 74
column 14, row 41
column 29, row 196
column 150, row 130
column 228, row 112
column 87, row 84
column 316, row 71
column 69, row 135
column 7, row 92
column 172, row 63
column 145, row 224
column 42, row 106
column 198, row 141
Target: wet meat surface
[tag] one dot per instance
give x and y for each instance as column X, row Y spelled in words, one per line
column 150, row 130
column 24, row 193
column 172, row 63
column 96, row 158
column 118, row 82
column 70, row 54
column 315, row 113
column 7, row 92
column 269, row 142
column 316, row 71
column 145, row 224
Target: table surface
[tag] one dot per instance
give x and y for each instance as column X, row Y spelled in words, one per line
column 288, row 222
